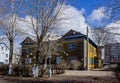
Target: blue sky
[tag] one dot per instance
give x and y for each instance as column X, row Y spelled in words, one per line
column 93, row 9
column 88, row 5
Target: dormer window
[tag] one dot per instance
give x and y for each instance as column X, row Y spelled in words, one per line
column 74, row 33
column 72, row 46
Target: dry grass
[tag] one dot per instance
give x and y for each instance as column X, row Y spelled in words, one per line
column 59, row 79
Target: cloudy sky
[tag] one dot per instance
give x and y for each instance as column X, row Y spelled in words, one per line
column 81, row 13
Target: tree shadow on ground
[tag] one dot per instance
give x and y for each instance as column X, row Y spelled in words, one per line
column 42, row 81
column 117, row 74
column 59, row 79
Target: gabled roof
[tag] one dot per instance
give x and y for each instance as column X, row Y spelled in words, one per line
column 72, row 34
column 4, row 45
column 27, row 40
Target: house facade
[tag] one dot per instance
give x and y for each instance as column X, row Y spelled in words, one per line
column 73, row 49
column 4, row 54
column 75, row 45
column 28, row 51
column 112, row 53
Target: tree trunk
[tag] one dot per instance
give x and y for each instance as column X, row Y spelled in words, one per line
column 36, row 68
column 45, row 65
column 10, row 58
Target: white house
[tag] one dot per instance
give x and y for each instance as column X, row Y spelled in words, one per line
column 16, row 58
column 4, row 54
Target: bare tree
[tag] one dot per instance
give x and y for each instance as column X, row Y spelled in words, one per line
column 49, row 50
column 113, row 9
column 8, row 24
column 101, row 37
column 43, row 15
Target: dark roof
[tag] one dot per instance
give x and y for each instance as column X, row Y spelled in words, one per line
column 72, row 34
column 29, row 39
column 5, row 45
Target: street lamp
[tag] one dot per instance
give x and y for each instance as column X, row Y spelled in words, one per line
column 66, row 56
column 27, row 59
column 66, row 53
column 27, row 56
column 30, row 53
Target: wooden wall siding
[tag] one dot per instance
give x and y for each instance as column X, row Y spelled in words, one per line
column 78, row 52
column 28, row 49
column 92, row 53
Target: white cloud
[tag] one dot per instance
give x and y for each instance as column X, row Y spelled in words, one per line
column 24, row 24
column 74, row 19
column 97, row 14
column 114, row 28
column 71, row 19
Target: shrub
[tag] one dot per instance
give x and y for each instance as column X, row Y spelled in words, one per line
column 25, row 71
column 76, row 65
column 42, row 71
column 4, row 69
column 22, row 70
column 60, row 68
column 16, row 70
column 118, row 68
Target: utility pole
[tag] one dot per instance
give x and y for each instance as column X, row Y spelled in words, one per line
column 87, row 46
column 87, row 51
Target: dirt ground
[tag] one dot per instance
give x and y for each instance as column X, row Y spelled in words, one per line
column 68, row 77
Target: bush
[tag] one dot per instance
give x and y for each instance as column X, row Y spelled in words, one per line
column 26, row 70
column 4, row 69
column 118, row 68
column 16, row 70
column 76, row 65
column 42, row 71
column 60, row 68
column 22, row 70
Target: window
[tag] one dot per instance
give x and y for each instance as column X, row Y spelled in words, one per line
column 28, row 60
column 2, row 48
column 92, row 60
column 6, row 55
column 28, row 42
column 71, row 59
column 72, row 46
column 59, row 48
column 6, row 61
column 29, row 50
column 58, row 60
